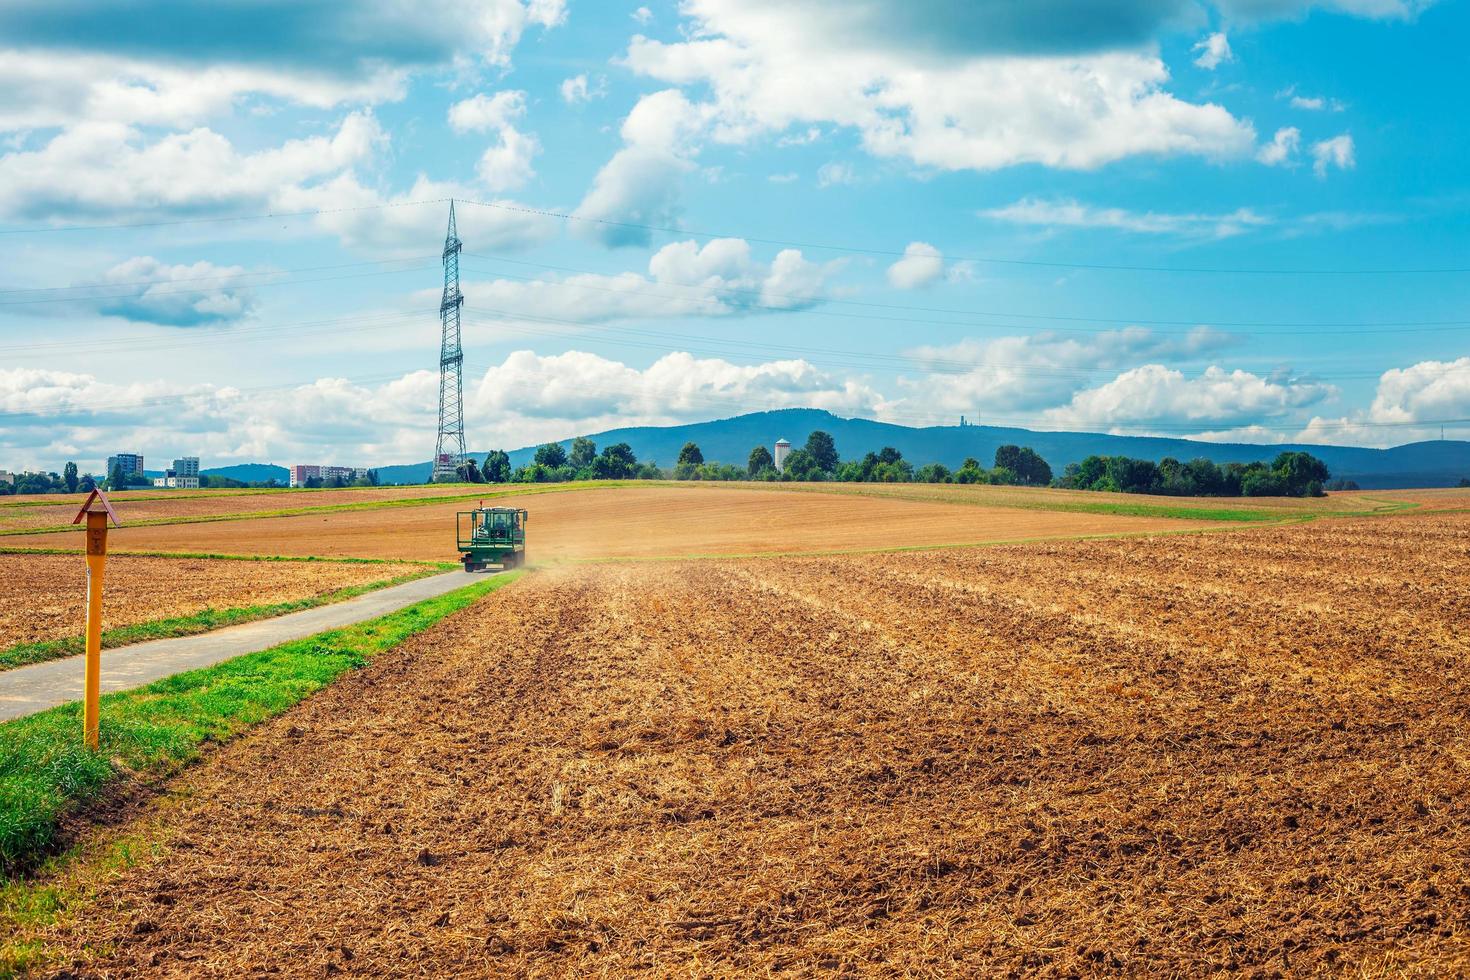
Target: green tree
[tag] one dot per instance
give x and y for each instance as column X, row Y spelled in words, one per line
column 116, row 480
column 1025, row 462
column 1464, row 482
column 823, row 451
column 584, row 451
column 497, row 467
column 760, row 459
column 553, row 454
column 616, row 462
column 690, row 454
column 372, row 478
column 889, row 455
column 801, row 466
column 88, row 483
column 1299, row 471
column 469, row 472
column 69, row 475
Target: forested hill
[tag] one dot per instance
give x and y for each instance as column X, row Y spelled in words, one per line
column 1423, row 464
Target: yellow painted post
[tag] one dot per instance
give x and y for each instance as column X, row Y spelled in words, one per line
column 96, row 562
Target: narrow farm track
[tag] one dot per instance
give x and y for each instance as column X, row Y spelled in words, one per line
column 1161, row 755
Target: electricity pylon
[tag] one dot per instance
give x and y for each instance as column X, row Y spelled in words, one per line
column 449, row 452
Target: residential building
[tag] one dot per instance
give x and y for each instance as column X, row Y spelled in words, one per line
column 302, row 472
column 187, row 466
column 131, row 463
column 173, row 481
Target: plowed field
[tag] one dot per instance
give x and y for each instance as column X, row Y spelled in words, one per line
column 1171, row 755
column 43, row 597
column 633, row 522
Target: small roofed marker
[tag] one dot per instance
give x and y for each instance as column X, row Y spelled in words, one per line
column 97, row 519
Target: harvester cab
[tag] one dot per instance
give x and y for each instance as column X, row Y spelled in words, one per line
column 492, row 536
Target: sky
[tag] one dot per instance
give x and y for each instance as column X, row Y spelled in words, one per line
column 221, row 224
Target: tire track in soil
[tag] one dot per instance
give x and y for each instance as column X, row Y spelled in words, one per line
column 817, row 764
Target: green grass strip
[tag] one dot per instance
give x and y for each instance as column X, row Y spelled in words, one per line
column 154, row 731
column 200, row 622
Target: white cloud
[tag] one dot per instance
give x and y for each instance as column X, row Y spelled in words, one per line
column 577, row 89
column 507, row 163
column 640, row 185
column 1282, row 148
column 772, row 66
column 103, row 169
column 174, row 295
column 786, row 178
column 121, row 70
column 684, row 279
column 483, row 113
column 1040, row 370
column 835, row 174
column 1335, row 152
column 356, row 214
column 1072, row 214
column 642, row 15
column 1423, row 392
column 539, row 397
column 1157, row 394
column 1214, row 51
column 921, row 265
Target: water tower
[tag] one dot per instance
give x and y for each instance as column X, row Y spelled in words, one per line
column 783, row 449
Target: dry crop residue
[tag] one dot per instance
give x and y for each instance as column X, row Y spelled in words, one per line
column 1158, row 756
column 43, row 597
column 637, row 521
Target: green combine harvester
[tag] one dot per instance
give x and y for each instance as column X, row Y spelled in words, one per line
column 492, row 536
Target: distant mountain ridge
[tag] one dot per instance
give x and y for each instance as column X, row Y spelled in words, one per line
column 1420, row 464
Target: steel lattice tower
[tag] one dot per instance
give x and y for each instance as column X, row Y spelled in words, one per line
column 449, row 451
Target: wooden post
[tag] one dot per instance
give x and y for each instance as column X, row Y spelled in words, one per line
column 96, row 564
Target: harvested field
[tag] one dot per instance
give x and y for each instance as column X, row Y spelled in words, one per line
column 47, row 511
column 43, row 597
column 633, row 522
column 1165, row 755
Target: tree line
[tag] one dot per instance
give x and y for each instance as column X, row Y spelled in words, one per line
column 1291, row 474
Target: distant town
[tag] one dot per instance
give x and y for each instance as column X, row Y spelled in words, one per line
column 125, row 471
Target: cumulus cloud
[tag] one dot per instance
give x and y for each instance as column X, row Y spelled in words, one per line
column 1214, row 51
column 684, row 279
column 1335, row 152
column 526, row 399
column 577, row 89
column 1156, row 394
column 835, row 174
column 921, row 265
column 1423, row 392
column 1282, row 148
column 640, row 185
column 1066, row 213
column 553, row 396
column 933, row 91
column 1040, row 370
column 506, row 164
column 106, row 170
column 148, row 291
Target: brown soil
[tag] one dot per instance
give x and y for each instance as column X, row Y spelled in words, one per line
column 147, row 505
column 632, row 522
column 43, row 597
column 1159, row 756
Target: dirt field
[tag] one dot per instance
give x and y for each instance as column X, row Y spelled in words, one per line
column 633, row 522
column 46, row 511
column 1169, row 755
column 43, row 597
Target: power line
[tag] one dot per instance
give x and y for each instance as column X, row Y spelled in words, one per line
column 964, row 258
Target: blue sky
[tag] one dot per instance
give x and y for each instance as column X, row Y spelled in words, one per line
column 1242, row 220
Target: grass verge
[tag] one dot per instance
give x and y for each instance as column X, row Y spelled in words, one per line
column 201, row 622
column 155, row 730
